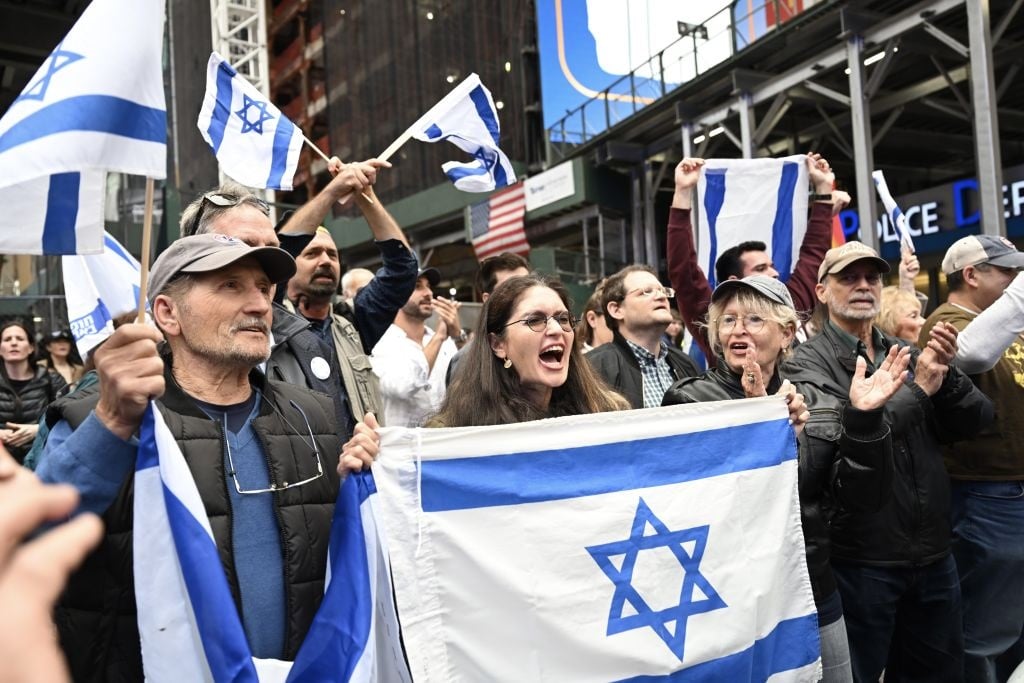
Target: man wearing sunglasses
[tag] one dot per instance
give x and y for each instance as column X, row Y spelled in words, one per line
column 636, row 363
column 264, row 454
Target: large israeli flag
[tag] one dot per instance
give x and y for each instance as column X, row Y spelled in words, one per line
column 648, row 545
column 467, row 118
column 95, row 105
column 189, row 627
column 254, row 142
column 98, row 288
column 752, row 199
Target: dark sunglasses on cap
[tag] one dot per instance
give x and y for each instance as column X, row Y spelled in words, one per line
column 223, row 200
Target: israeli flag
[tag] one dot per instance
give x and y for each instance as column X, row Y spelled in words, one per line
column 896, row 216
column 648, row 545
column 752, row 199
column 97, row 289
column 468, row 119
column 95, row 105
column 254, row 142
column 188, row 624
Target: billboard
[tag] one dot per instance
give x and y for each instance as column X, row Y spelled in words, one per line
column 590, row 46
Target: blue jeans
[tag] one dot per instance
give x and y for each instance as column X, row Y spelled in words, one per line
column 988, row 544
column 905, row 620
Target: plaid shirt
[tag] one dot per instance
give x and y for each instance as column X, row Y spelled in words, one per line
column 657, row 375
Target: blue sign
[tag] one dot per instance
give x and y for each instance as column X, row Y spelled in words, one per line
column 939, row 216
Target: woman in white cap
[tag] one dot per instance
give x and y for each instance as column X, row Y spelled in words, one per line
column 845, row 451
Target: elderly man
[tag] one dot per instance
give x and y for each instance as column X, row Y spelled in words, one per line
column 263, row 454
column 353, row 281
column 987, row 471
column 897, row 579
column 636, row 363
column 411, row 359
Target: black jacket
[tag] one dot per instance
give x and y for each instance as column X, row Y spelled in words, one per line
column 96, row 617
column 618, row 367
column 26, row 406
column 844, row 459
column 912, row 527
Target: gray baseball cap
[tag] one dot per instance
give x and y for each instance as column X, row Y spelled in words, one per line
column 975, row 249
column 768, row 287
column 211, row 251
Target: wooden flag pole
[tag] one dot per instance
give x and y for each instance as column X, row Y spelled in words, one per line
column 147, row 230
column 326, row 158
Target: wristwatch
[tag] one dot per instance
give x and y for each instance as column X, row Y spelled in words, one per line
column 819, row 197
column 461, row 339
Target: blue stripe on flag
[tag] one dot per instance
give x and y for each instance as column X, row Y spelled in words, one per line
column 279, row 161
column 112, row 244
column 485, row 112
column 466, row 171
column 222, row 109
column 105, row 114
column 341, row 628
column 792, row 644
column 714, row 198
column 220, row 626
column 782, row 228
column 61, row 213
column 517, row 478
column 147, row 455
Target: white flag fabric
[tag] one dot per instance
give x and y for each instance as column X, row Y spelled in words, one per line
column 899, row 221
column 658, row 544
column 189, row 626
column 98, row 288
column 95, row 105
column 752, row 199
column 56, row 214
column 254, row 142
column 467, row 118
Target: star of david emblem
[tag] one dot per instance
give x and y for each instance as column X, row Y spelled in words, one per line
column 696, row 595
column 260, row 112
column 58, row 59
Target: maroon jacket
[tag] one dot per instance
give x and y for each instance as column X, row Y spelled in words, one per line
column 693, row 293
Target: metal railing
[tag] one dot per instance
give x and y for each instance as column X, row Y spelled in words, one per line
column 699, row 48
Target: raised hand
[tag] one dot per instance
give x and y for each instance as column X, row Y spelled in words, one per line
column 686, row 177
column 933, row 363
column 448, row 312
column 869, row 393
column 131, row 372
column 752, row 380
column 820, row 173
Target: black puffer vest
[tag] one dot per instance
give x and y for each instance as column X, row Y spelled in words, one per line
column 96, row 615
column 26, row 406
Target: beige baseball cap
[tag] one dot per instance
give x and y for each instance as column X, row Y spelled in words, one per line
column 975, row 249
column 840, row 257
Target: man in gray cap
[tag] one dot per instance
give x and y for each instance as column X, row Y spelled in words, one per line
column 264, row 454
column 412, row 360
column 987, row 471
column 897, row 579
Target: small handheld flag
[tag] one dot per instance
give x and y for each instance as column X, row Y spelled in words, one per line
column 468, row 119
column 254, row 142
column 496, row 225
column 899, row 221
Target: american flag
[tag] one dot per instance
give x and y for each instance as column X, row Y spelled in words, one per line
column 496, row 225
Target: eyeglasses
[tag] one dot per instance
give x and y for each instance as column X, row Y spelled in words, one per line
column 223, row 201
column 650, row 291
column 283, row 485
column 751, row 322
column 539, row 323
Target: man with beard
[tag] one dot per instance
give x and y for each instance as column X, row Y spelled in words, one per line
column 897, row 579
column 411, row 360
column 264, row 455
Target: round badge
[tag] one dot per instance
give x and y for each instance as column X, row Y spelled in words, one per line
column 320, row 368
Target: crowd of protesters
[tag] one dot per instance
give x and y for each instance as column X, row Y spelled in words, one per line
column 911, row 470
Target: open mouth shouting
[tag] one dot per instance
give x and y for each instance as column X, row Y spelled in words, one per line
column 552, row 356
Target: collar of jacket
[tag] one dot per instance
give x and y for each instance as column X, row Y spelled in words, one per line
column 733, row 382
column 286, row 324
